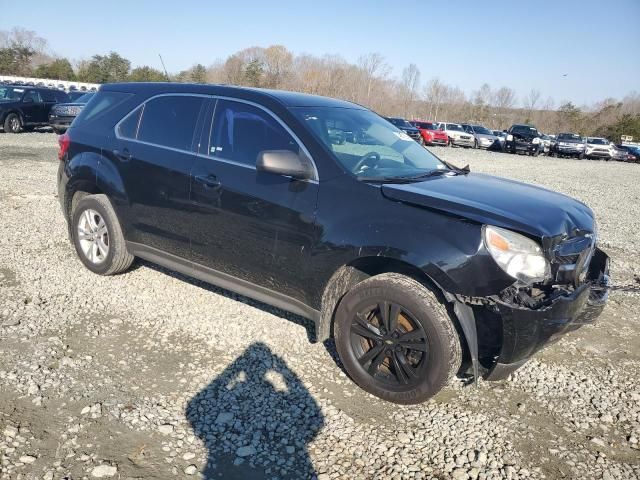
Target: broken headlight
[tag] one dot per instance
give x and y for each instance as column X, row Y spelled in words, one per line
column 519, row 256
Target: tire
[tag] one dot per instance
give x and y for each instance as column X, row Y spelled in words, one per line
column 475, row 144
column 95, row 216
column 58, row 131
column 401, row 374
column 421, row 142
column 12, row 123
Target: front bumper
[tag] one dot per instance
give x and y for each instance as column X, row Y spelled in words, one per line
column 598, row 154
column 571, row 151
column 521, row 147
column 526, row 331
column 463, row 142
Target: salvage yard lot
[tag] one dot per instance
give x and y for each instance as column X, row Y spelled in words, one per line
column 153, row 375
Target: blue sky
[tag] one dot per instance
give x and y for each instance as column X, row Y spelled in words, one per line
column 522, row 45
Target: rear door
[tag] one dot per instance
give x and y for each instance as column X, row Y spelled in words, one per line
column 32, row 107
column 155, row 154
column 254, row 226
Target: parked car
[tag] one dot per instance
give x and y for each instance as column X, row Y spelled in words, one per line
column 62, row 114
column 600, row 148
column 502, row 137
column 483, row 137
column 24, row 108
column 546, row 141
column 430, row 133
column 456, row 134
column 632, row 152
column 407, row 128
column 383, row 246
column 75, row 95
column 523, row 138
column 569, row 145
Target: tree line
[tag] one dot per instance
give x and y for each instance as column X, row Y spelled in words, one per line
column 368, row 81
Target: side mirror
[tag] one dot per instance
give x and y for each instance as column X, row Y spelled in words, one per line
column 286, row 163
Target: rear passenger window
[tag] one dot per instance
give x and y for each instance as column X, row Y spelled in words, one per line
column 241, row 131
column 48, row 96
column 170, row 121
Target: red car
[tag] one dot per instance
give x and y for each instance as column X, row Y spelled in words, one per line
column 430, row 133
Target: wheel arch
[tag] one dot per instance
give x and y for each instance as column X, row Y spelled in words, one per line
column 359, row 269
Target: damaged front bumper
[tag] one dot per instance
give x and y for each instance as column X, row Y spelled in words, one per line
column 503, row 333
column 525, row 330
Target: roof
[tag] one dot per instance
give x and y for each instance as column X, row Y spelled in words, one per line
column 286, row 98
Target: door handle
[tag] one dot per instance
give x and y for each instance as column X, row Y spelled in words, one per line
column 123, row 155
column 209, row 181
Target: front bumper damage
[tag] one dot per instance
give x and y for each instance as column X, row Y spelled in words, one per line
column 524, row 330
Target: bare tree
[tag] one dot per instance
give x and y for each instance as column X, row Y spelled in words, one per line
column 374, row 67
column 504, row 98
column 531, row 100
column 410, row 84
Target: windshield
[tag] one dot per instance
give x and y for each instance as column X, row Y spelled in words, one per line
column 569, row 137
column 480, row 129
column 10, row 93
column 84, row 98
column 400, row 122
column 453, row 126
column 598, row 141
column 425, row 125
column 371, row 147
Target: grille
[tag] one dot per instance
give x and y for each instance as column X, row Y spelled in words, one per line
column 567, row 259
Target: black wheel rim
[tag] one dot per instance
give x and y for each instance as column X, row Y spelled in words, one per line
column 390, row 344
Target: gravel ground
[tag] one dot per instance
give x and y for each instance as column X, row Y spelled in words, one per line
column 153, row 375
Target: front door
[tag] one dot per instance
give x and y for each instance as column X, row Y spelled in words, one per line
column 254, row 226
column 32, row 107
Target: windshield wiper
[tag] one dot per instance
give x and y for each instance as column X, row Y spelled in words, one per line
column 387, row 179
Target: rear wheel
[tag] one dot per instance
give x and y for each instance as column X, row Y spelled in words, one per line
column 12, row 123
column 396, row 339
column 98, row 237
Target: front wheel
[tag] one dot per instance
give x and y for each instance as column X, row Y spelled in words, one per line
column 12, row 123
column 98, row 237
column 396, row 339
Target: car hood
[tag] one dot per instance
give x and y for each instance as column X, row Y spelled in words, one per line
column 486, row 135
column 70, row 104
column 498, row 201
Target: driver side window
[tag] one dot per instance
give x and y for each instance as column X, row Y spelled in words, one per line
column 32, row 96
column 241, row 131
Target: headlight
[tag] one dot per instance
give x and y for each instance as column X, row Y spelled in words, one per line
column 535, row 141
column 509, row 138
column 519, row 256
column 580, row 145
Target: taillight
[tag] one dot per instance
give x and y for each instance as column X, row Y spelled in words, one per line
column 64, row 141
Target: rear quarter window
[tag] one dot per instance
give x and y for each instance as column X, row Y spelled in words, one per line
column 101, row 104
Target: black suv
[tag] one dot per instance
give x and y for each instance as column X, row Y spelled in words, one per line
column 407, row 128
column 523, row 139
column 414, row 266
column 23, row 107
column 62, row 114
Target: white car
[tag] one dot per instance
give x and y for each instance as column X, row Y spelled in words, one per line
column 457, row 135
column 599, row 148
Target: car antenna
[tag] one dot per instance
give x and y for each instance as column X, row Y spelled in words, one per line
column 165, row 68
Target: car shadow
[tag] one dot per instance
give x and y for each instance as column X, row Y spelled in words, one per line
column 292, row 317
column 256, row 420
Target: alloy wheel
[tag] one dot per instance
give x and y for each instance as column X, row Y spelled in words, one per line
column 389, row 344
column 93, row 236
